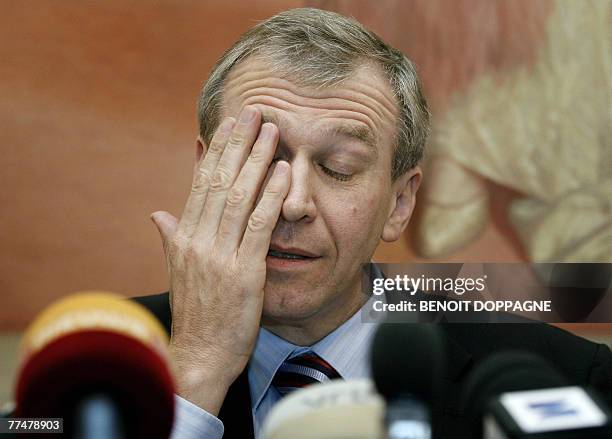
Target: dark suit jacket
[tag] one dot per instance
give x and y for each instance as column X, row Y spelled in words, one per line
column 583, row 362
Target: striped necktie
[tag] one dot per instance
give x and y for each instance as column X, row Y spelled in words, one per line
column 301, row 371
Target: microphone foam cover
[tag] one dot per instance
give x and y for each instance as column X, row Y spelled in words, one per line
column 97, row 342
column 331, row 410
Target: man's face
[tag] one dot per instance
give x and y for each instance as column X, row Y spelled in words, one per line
column 339, row 142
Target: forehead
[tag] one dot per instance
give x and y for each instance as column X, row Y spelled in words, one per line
column 362, row 106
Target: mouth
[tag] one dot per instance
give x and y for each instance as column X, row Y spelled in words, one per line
column 285, row 255
column 289, row 257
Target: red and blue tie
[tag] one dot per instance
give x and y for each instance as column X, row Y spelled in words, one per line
column 301, row 371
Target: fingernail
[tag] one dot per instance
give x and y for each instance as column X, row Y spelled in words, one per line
column 248, row 114
column 227, row 125
column 266, row 131
column 281, row 167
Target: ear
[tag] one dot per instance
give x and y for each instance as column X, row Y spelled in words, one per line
column 402, row 204
column 200, row 150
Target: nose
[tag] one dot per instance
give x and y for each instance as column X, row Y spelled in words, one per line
column 299, row 205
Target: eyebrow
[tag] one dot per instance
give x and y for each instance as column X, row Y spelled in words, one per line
column 361, row 133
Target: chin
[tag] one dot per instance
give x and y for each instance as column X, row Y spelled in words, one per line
column 285, row 305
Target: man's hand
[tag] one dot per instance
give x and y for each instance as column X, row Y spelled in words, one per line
column 216, row 257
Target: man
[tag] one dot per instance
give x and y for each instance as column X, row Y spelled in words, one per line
column 311, row 131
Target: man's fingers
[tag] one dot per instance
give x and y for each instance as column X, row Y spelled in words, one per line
column 243, row 194
column 238, row 146
column 166, row 225
column 262, row 221
column 201, row 179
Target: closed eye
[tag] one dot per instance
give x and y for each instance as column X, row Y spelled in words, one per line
column 334, row 174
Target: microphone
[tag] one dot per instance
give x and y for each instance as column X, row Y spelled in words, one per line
column 517, row 394
column 407, row 367
column 331, row 410
column 99, row 361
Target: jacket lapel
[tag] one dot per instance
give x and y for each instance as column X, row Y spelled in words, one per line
column 236, row 410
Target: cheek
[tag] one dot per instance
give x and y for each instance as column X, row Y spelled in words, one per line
column 356, row 226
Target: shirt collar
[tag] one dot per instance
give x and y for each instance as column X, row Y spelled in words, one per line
column 269, row 353
column 346, row 349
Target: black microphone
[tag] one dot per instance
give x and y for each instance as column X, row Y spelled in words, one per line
column 518, row 395
column 407, row 367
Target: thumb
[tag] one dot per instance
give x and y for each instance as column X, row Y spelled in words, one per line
column 166, row 224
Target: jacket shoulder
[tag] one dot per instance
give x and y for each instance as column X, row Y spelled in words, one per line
column 159, row 306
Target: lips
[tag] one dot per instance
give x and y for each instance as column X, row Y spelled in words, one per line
column 290, row 253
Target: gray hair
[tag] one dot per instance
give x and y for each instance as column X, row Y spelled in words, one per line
column 319, row 48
